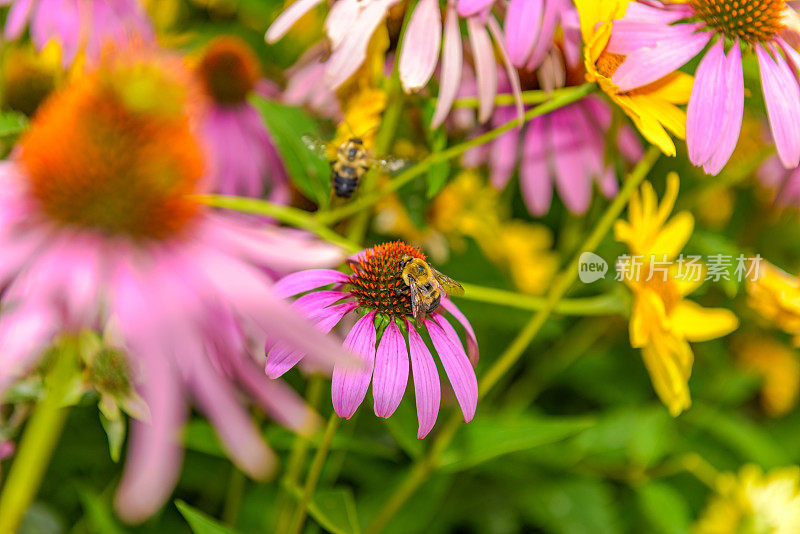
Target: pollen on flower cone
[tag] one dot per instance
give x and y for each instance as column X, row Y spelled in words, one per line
column 375, row 279
column 229, row 70
column 115, row 152
column 749, row 20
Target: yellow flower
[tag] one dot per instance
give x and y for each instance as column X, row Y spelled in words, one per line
column 775, row 295
column 754, row 503
column 779, row 369
column 663, row 322
column 652, row 108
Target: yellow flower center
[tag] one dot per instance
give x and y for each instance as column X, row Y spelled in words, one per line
column 753, row 21
column 375, row 278
column 608, row 63
column 114, row 152
column 667, row 290
column 229, row 70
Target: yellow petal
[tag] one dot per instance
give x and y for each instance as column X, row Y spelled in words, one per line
column 675, row 88
column 674, row 235
column 669, row 360
column 702, row 324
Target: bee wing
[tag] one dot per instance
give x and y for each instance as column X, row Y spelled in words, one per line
column 452, row 287
column 316, row 145
column 416, row 302
column 390, row 164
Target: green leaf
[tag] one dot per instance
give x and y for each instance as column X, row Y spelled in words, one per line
column 335, row 511
column 489, row 438
column 437, row 139
column 12, row 123
column 664, row 507
column 288, row 124
column 98, row 513
column 201, row 523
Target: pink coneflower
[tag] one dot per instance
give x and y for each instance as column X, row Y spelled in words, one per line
column 244, row 160
column 306, row 87
column 74, row 24
column 565, row 148
column 105, row 232
column 379, row 337
column 659, row 38
column 351, row 23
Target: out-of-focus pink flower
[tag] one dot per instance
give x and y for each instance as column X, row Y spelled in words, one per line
column 243, row 158
column 350, row 25
column 306, row 85
column 371, row 289
column 784, row 182
column 658, row 38
column 73, row 24
column 105, row 232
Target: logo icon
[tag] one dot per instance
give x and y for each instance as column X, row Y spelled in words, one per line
column 591, row 267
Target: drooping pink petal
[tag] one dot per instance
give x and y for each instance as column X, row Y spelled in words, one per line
column 303, row 281
column 349, row 386
column 782, row 99
column 706, row 112
column 571, row 158
column 468, row 8
column 391, row 371
column 456, row 365
column 17, row 18
column 629, row 35
column 646, row 65
column 537, row 189
column 734, row 111
column 421, row 45
column 25, row 332
column 287, row 19
column 511, row 72
column 451, row 68
column 504, row 149
column 549, row 24
column 427, row 388
column 485, row 67
column 61, row 19
column 472, row 341
column 629, row 144
column 339, row 21
column 316, row 301
column 522, row 24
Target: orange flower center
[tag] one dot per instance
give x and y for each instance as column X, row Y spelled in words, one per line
column 229, row 70
column 608, row 63
column 114, row 152
column 749, row 20
column 375, row 278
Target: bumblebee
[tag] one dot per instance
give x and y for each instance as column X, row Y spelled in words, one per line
column 351, row 163
column 425, row 286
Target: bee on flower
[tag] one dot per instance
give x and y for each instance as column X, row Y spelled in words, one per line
column 663, row 321
column 385, row 336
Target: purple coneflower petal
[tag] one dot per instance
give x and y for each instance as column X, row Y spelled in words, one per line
column 300, row 282
column 391, row 371
column 485, row 67
column 537, row 190
column 628, row 35
column 571, row 156
column 339, row 20
column 317, row 301
column 734, row 111
column 24, row 333
column 472, row 341
column 522, row 24
column 17, row 18
column 629, row 144
column 468, row 8
column 349, row 386
column 503, row 151
column 547, row 30
column 451, row 68
column 511, row 72
column 427, row 389
column 456, row 365
column 287, row 19
column 706, row 111
column 58, row 18
column 421, row 45
column 647, row 65
column 782, row 98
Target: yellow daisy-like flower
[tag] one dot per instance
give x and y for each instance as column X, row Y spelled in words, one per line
column 775, row 295
column 778, row 367
column 653, row 108
column 662, row 321
column 754, row 503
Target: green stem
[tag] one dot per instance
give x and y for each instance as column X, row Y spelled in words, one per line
column 297, row 458
column 314, row 473
column 506, row 99
column 39, row 439
column 426, row 464
column 609, row 304
column 233, row 500
column 564, row 99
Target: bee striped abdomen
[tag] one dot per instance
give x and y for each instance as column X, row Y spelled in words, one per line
column 344, row 183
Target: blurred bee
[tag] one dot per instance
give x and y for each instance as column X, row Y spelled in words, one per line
column 425, row 286
column 351, row 163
